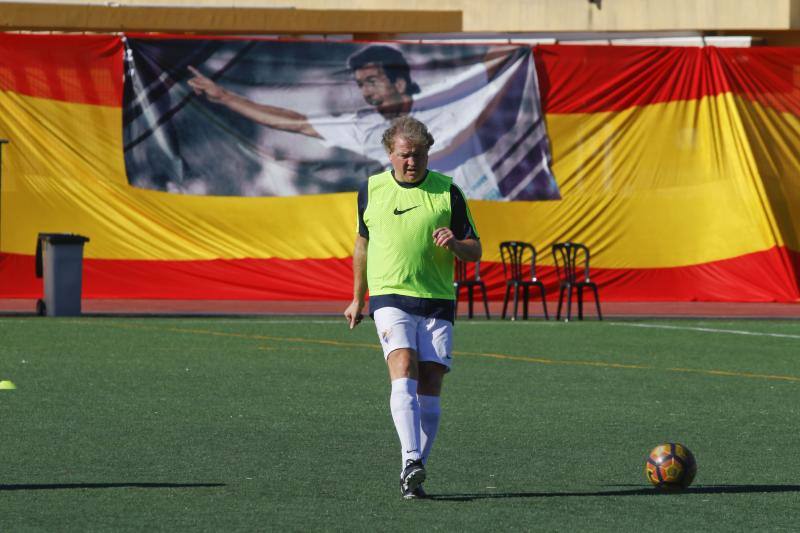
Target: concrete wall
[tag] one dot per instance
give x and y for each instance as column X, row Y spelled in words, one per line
column 554, row 15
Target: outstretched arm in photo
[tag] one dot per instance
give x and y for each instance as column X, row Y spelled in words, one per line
column 266, row 115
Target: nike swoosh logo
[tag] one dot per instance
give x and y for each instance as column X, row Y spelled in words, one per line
column 399, row 212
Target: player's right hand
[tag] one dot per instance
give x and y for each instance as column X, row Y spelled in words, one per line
column 353, row 314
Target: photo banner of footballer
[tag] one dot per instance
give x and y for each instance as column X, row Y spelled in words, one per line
column 283, row 118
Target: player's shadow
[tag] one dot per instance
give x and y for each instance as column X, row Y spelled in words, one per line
column 647, row 491
column 68, row 486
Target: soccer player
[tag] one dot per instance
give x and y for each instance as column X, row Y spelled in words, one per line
column 412, row 221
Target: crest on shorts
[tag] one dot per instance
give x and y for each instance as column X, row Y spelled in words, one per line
column 385, row 335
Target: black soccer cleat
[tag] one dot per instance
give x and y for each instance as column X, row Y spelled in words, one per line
column 410, row 480
column 416, row 494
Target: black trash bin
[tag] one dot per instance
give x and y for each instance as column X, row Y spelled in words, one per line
column 59, row 258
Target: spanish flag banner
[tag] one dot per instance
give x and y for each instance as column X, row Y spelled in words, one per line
column 677, row 167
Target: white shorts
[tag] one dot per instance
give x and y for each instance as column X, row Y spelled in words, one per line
column 431, row 338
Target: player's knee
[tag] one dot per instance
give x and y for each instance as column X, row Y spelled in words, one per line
column 403, row 364
column 431, row 377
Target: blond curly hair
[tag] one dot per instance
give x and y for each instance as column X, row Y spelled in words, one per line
column 411, row 129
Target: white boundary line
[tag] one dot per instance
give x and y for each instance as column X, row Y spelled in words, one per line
column 341, row 321
column 706, row 330
column 526, row 322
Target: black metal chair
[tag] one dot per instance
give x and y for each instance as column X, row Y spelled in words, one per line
column 516, row 256
column 463, row 280
column 572, row 268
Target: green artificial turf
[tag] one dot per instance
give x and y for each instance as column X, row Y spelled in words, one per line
column 273, row 424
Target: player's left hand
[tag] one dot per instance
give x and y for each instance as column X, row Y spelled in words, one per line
column 444, row 238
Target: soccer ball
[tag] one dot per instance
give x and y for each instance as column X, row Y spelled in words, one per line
column 670, row 466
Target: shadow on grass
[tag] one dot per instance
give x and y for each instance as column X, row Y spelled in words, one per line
column 708, row 489
column 79, row 486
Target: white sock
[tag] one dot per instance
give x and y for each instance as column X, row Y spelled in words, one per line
column 405, row 413
column 430, row 411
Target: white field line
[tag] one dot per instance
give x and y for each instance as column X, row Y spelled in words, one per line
column 707, row 330
column 464, row 322
column 459, row 323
